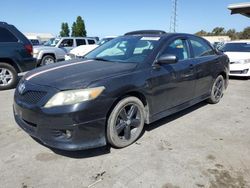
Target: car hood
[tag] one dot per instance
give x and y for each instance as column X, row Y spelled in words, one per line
column 76, row 74
column 235, row 56
column 83, row 49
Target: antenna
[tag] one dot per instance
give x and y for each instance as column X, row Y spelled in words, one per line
column 173, row 20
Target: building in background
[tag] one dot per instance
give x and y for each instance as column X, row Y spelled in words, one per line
column 216, row 39
column 42, row 36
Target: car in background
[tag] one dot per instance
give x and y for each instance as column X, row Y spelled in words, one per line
column 55, row 49
column 108, row 97
column 15, row 55
column 82, row 50
column 239, row 55
column 36, row 41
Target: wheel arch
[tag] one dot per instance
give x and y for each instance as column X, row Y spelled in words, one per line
column 11, row 62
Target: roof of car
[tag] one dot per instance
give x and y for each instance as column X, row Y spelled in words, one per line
column 239, row 41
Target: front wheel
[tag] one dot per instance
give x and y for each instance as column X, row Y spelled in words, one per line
column 47, row 60
column 126, row 122
column 217, row 90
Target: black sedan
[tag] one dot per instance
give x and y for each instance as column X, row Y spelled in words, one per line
column 110, row 94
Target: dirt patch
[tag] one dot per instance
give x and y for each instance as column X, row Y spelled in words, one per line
column 45, row 157
column 211, row 157
column 169, row 185
column 224, row 179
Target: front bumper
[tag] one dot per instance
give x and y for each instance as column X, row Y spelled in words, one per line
column 51, row 129
column 241, row 70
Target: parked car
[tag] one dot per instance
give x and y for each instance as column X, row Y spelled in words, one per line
column 82, row 50
column 239, row 55
column 55, row 49
column 15, row 55
column 107, row 97
column 35, row 41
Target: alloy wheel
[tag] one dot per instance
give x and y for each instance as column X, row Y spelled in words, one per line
column 6, row 77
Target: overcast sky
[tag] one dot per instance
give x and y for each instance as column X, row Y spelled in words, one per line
column 115, row 17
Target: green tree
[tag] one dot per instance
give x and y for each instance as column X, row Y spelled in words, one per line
column 73, row 30
column 232, row 34
column 201, row 33
column 64, row 30
column 80, row 27
column 245, row 34
column 218, row 31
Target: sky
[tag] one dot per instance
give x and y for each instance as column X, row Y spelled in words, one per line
column 116, row 17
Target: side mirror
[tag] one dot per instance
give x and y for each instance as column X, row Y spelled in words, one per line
column 167, row 59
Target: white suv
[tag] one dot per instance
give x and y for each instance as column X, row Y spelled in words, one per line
column 56, row 48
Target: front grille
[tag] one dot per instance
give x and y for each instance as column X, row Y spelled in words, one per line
column 32, row 97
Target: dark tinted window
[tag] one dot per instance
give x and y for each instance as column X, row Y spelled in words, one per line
column 34, row 42
column 236, row 47
column 178, row 48
column 80, row 42
column 91, row 41
column 67, row 43
column 201, row 48
column 6, row 36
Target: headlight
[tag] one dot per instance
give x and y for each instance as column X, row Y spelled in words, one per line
column 244, row 61
column 74, row 96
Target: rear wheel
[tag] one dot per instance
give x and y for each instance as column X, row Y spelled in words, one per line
column 217, row 90
column 8, row 76
column 47, row 60
column 126, row 122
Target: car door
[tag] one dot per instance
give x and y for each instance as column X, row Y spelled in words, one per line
column 173, row 84
column 67, row 45
column 205, row 60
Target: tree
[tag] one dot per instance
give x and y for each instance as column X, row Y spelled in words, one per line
column 80, row 27
column 232, row 34
column 64, row 30
column 201, row 33
column 218, row 31
column 73, row 30
column 245, row 34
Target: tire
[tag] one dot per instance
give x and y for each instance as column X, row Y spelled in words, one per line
column 126, row 122
column 217, row 90
column 8, row 76
column 47, row 60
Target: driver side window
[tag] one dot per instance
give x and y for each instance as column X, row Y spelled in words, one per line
column 179, row 48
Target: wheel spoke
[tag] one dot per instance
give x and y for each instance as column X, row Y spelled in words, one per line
column 4, row 71
column 132, row 111
column 135, row 123
column 127, row 133
column 123, row 114
column 120, row 127
column 4, row 81
column 8, row 76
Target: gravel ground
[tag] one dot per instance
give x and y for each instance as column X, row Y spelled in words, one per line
column 203, row 146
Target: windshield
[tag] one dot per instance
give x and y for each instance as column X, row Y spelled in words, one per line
column 131, row 49
column 103, row 41
column 236, row 47
column 51, row 42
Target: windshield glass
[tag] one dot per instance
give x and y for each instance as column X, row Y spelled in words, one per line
column 131, row 49
column 103, row 41
column 236, row 47
column 51, row 42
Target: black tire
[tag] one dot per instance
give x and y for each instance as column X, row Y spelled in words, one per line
column 217, row 90
column 47, row 59
column 126, row 122
column 8, row 76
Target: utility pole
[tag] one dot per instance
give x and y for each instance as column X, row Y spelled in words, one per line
column 173, row 20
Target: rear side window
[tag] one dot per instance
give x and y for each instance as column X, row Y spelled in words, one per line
column 80, row 42
column 201, row 48
column 6, row 36
column 91, row 41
